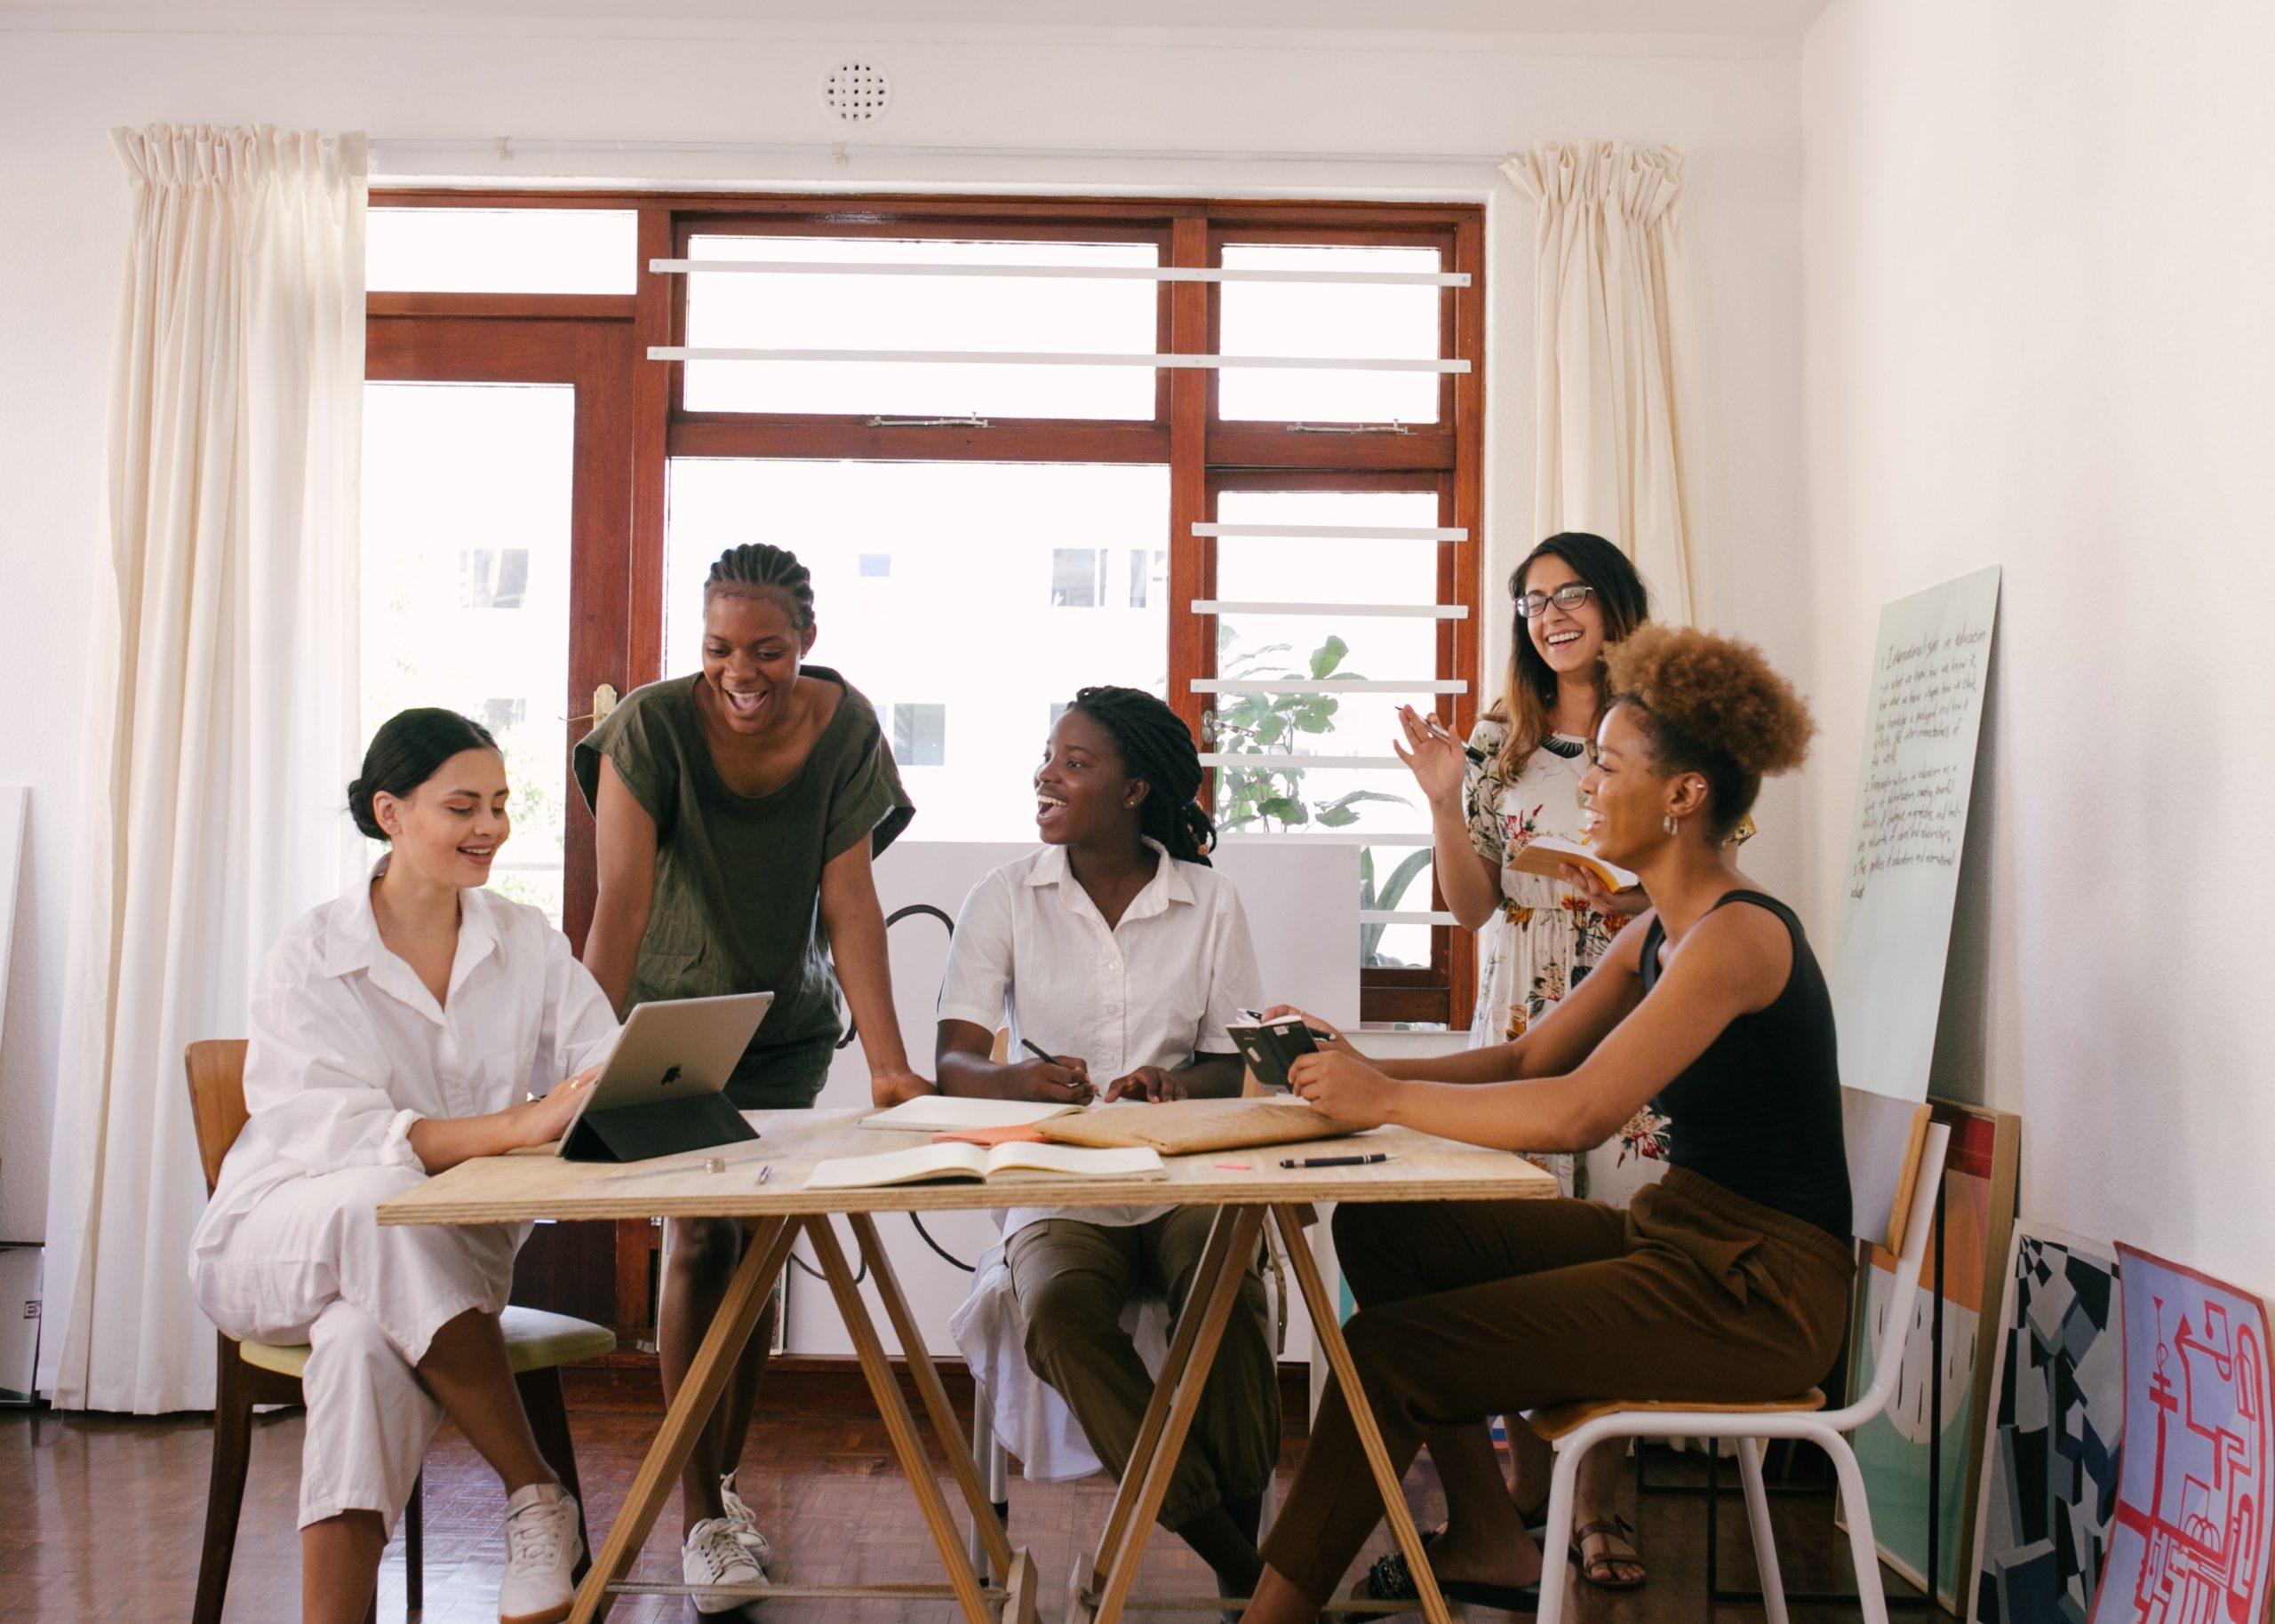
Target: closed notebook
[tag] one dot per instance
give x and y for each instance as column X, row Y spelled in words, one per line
column 1549, row 854
column 1185, row 1127
column 1002, row 1163
column 949, row 1113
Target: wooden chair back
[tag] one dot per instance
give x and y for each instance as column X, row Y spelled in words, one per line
column 217, row 1099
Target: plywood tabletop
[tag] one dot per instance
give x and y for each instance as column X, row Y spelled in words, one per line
column 539, row 1184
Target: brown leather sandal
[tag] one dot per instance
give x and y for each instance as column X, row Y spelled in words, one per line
column 1598, row 1570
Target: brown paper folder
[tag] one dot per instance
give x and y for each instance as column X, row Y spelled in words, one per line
column 1184, row 1127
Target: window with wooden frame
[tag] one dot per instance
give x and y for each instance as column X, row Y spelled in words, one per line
column 1023, row 443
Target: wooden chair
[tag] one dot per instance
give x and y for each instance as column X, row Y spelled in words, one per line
column 250, row 1374
column 1896, row 1157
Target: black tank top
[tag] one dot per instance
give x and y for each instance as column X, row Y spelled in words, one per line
column 1759, row 1112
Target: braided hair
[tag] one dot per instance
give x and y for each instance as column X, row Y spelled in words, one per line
column 756, row 567
column 1157, row 747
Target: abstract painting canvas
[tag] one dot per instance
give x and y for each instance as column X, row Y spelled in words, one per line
column 1892, row 1449
column 2056, row 1418
column 2190, row 1540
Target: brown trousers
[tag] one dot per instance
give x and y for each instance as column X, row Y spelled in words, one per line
column 1074, row 1279
column 1468, row 1310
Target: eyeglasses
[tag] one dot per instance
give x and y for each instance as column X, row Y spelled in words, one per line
column 1533, row 605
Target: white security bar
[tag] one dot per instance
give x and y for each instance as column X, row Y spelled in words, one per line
column 1096, row 273
column 1418, row 611
column 1325, row 837
column 1406, row 916
column 1336, row 532
column 1064, row 358
column 1282, row 761
column 1263, row 685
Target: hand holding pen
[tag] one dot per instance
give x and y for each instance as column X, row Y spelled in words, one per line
column 1056, row 1076
column 1439, row 761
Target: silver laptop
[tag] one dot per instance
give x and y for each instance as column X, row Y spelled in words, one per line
column 671, row 1051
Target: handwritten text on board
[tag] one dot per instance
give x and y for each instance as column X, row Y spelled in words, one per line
column 1914, row 804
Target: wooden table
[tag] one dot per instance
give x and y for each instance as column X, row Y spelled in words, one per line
column 525, row 1185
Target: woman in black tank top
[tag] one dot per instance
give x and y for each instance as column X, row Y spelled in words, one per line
column 1726, row 1282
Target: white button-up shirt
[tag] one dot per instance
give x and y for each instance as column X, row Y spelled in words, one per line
column 348, row 1047
column 1157, row 989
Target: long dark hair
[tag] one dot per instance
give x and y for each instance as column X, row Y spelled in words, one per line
column 1528, row 700
column 409, row 748
column 1156, row 746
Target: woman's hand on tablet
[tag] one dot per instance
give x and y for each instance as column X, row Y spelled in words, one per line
column 1344, row 1087
column 549, row 1117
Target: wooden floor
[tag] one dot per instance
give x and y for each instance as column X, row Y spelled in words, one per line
column 100, row 1518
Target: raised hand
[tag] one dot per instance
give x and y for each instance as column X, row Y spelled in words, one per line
column 1435, row 758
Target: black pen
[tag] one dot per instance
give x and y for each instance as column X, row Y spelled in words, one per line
column 1339, row 1161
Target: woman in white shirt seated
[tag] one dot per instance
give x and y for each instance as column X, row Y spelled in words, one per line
column 397, row 1032
column 1117, row 949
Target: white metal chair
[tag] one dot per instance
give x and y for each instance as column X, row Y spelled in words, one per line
column 1887, row 1139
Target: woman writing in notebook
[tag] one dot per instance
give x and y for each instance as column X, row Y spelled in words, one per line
column 1118, row 951
column 394, row 1033
column 736, row 813
column 1726, row 1282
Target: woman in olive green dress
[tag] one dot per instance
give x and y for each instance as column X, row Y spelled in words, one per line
column 737, row 811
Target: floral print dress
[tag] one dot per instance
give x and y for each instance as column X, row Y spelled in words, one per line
column 1544, row 938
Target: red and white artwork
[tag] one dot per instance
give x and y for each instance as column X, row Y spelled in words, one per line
column 2191, row 1540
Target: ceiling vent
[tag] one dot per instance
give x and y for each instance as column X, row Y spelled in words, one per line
column 855, row 92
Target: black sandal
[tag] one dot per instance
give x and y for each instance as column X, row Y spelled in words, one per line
column 1613, row 1527
column 1390, row 1579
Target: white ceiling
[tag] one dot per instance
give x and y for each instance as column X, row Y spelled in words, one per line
column 1754, row 19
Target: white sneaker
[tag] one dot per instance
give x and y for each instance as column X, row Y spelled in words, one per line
column 542, row 1547
column 746, row 1524
column 713, row 1556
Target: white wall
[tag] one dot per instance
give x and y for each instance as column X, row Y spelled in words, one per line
column 1735, row 107
column 2039, row 332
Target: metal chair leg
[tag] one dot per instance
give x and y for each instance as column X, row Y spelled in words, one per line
column 1765, row 1538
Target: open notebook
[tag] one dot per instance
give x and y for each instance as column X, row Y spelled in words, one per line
column 1548, row 856
column 993, row 1164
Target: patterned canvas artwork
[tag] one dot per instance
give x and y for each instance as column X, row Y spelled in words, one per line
column 2192, row 1536
column 1892, row 1449
column 2056, row 1419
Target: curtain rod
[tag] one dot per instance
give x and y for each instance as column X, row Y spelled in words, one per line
column 505, row 146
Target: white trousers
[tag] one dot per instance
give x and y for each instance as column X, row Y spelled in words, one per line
column 309, row 1263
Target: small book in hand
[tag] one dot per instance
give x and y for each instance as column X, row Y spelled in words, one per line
column 994, row 1164
column 1271, row 1047
column 1549, row 856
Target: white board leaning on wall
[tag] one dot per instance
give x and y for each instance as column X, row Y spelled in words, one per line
column 1915, row 780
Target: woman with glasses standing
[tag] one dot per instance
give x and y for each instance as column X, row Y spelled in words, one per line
column 1519, row 779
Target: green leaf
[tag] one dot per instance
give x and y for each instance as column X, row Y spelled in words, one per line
column 1327, row 656
column 1272, row 730
column 1345, row 799
column 1337, row 817
column 1402, row 876
column 1286, row 809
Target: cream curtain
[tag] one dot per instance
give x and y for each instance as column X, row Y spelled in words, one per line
column 1616, row 355
column 223, row 706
